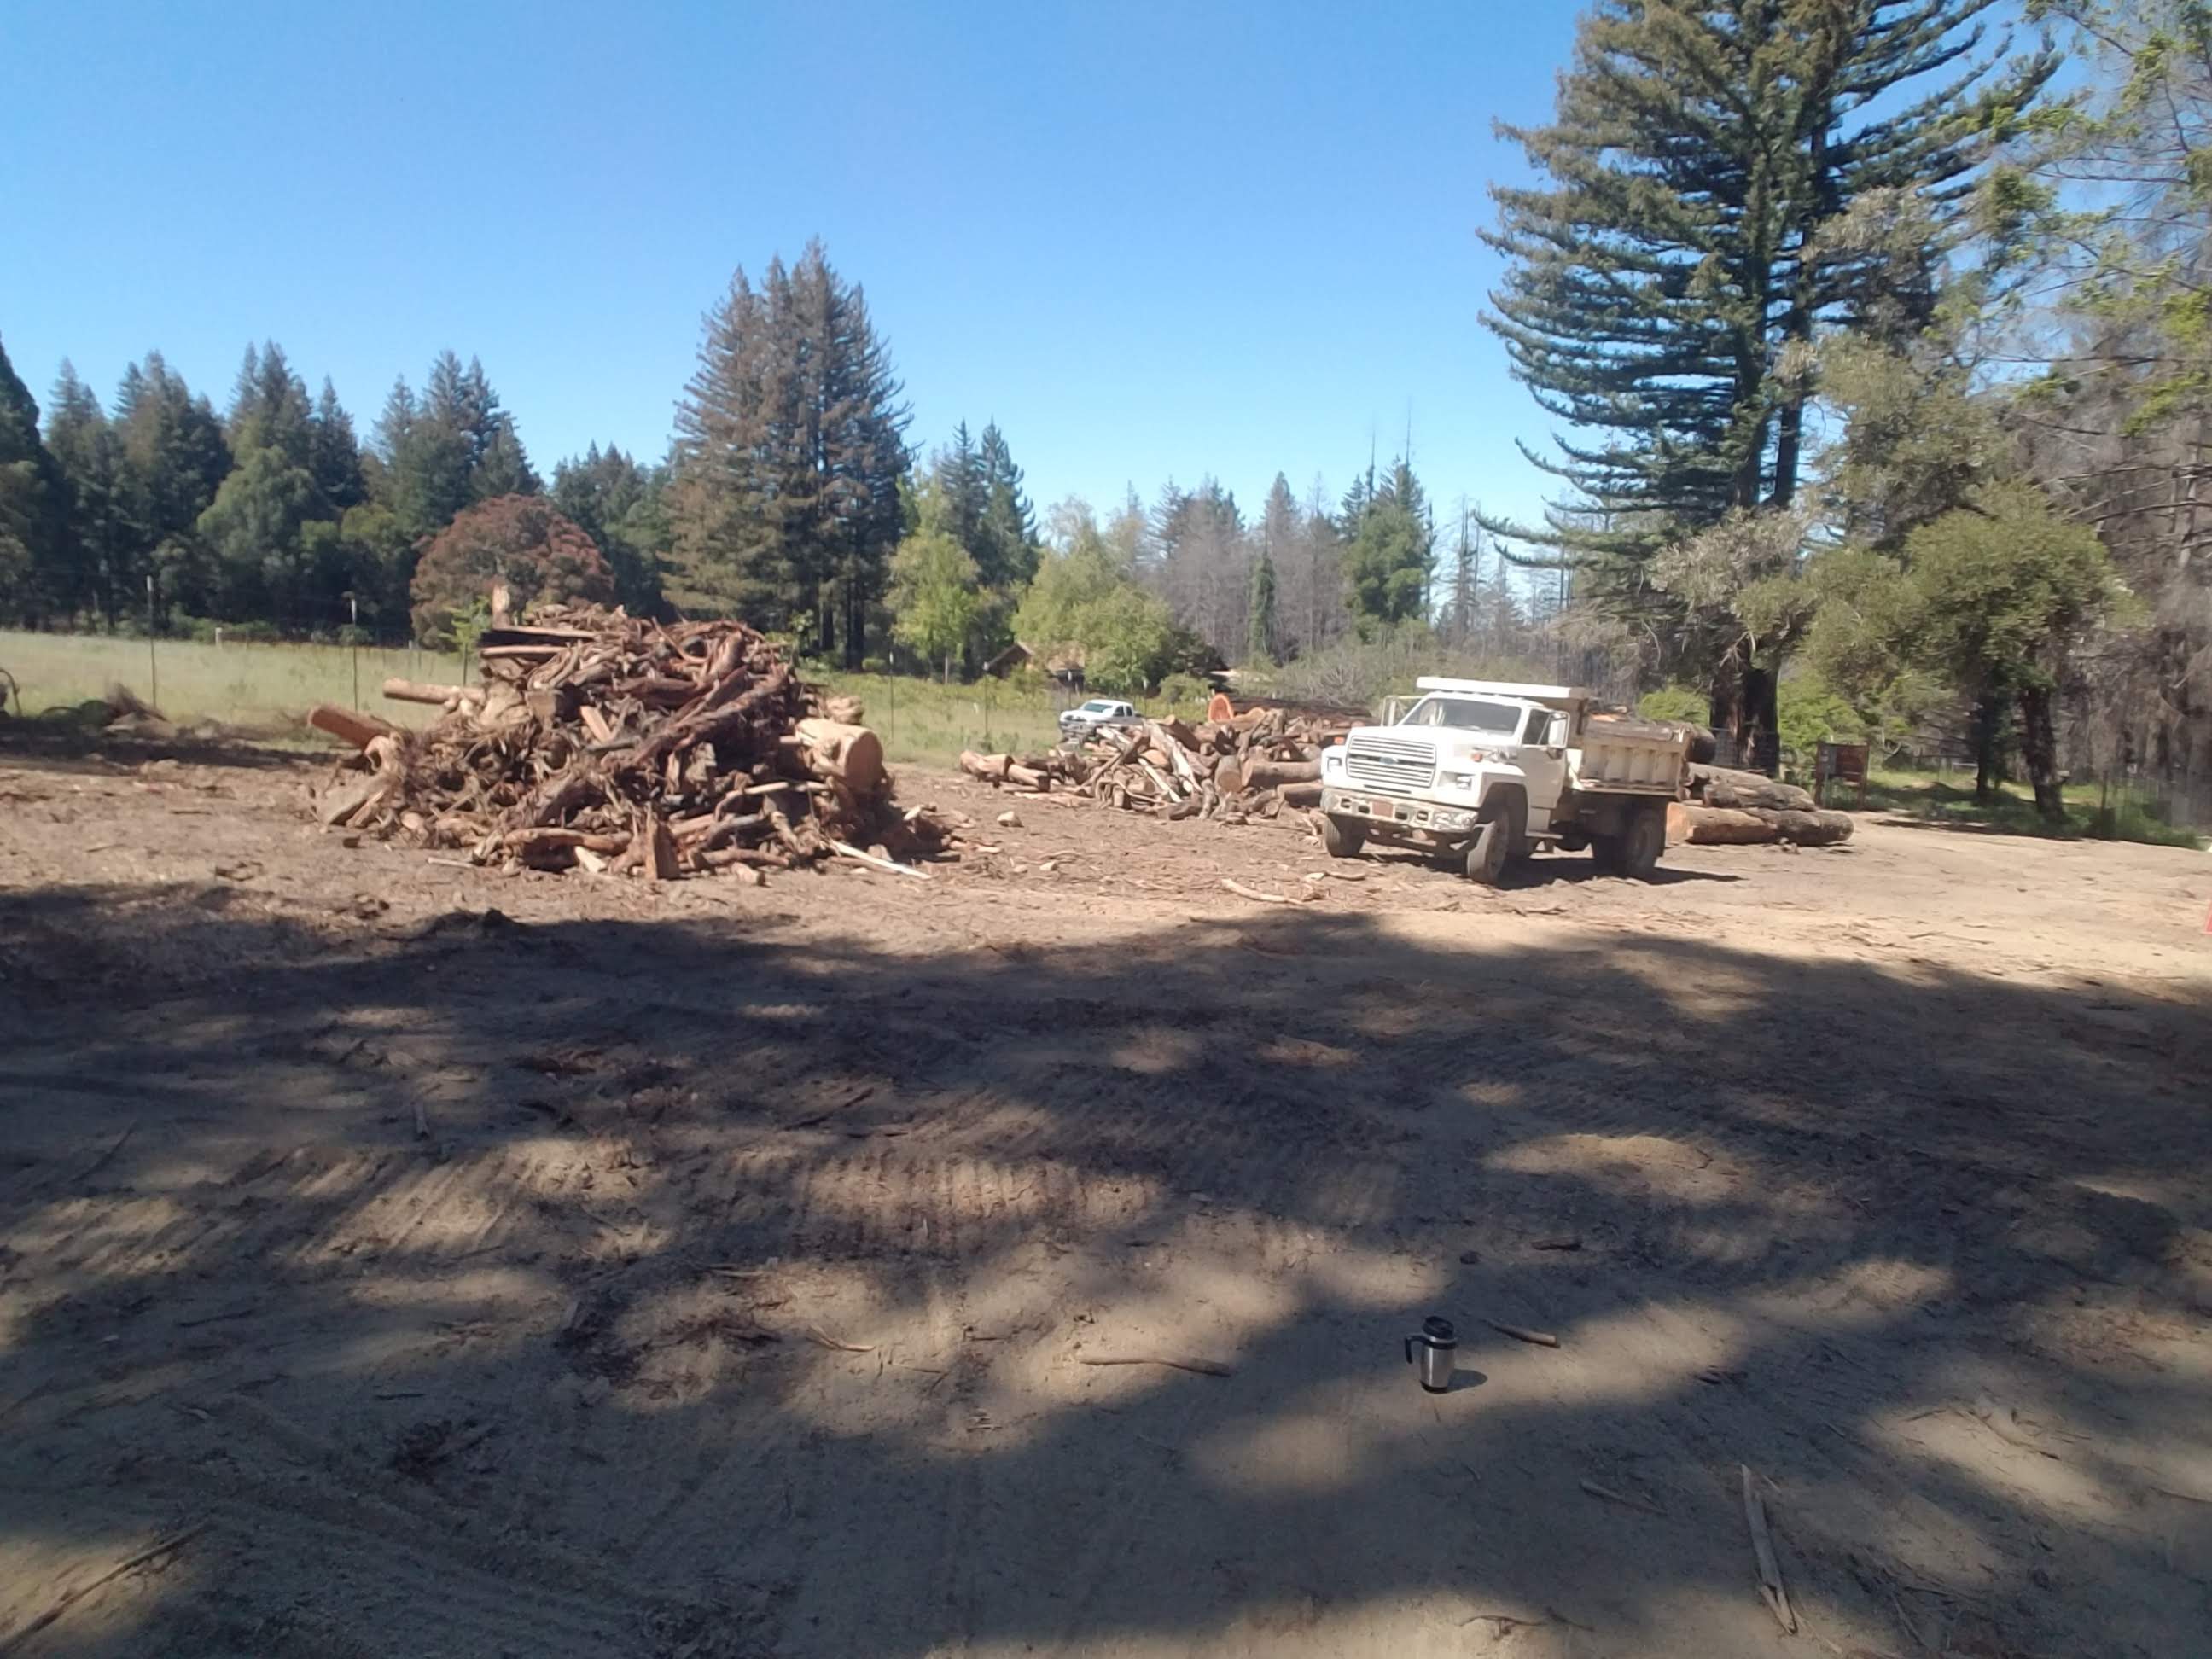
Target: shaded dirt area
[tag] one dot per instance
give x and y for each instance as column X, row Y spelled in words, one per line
column 542, row 1266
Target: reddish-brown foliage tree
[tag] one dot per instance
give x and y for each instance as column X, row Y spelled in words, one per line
column 542, row 555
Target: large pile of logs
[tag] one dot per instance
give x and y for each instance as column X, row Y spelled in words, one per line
column 605, row 741
column 1249, row 765
column 1729, row 808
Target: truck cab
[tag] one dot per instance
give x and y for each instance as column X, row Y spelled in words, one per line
column 1484, row 771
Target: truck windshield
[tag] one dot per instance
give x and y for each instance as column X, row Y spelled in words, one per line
column 1464, row 713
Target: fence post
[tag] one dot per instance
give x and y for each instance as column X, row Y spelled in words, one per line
column 153, row 662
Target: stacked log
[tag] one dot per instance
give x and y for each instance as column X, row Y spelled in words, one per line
column 1232, row 768
column 1732, row 808
column 608, row 742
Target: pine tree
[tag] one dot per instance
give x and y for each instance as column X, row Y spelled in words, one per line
column 607, row 493
column 1279, row 535
column 174, row 459
column 268, row 407
column 1668, row 282
column 450, row 447
column 1260, row 624
column 334, row 453
column 785, row 503
column 1390, row 551
column 40, row 576
column 1007, row 550
column 966, row 492
column 1467, row 579
column 84, row 445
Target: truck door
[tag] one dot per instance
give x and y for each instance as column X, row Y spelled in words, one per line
column 1544, row 762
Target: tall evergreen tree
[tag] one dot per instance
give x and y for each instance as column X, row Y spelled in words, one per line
column 1696, row 234
column 785, row 504
column 264, row 560
column 1260, row 619
column 174, row 460
column 451, row 446
column 965, row 490
column 39, row 575
column 268, row 407
column 607, row 493
column 1390, row 551
column 1278, row 534
column 1467, row 579
column 85, row 447
column 334, row 453
column 1667, row 279
column 1006, row 548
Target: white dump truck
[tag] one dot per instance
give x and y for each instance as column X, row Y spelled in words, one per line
column 1483, row 772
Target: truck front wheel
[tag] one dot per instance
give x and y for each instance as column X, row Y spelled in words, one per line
column 1341, row 838
column 1486, row 854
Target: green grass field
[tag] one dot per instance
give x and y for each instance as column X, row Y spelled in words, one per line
column 253, row 686
column 2120, row 815
column 266, row 688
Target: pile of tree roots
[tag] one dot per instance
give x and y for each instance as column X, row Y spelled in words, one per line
column 602, row 741
column 1239, row 766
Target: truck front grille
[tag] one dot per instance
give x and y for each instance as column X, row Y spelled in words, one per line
column 1400, row 765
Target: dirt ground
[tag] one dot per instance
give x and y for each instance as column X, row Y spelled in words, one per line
column 423, row 1261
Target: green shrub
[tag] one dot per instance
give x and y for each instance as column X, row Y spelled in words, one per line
column 1675, row 702
column 1178, row 689
column 1810, row 714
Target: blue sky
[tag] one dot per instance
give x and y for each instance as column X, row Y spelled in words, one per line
column 1149, row 240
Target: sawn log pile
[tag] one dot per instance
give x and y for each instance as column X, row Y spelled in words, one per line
column 1729, row 808
column 1249, row 765
column 606, row 741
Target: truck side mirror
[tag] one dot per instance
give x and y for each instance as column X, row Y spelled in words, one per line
column 1557, row 737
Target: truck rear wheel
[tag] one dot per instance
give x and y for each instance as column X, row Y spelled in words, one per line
column 1643, row 841
column 1341, row 838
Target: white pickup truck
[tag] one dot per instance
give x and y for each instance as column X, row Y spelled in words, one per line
column 1484, row 771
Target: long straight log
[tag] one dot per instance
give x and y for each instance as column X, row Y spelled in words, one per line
column 404, row 690
column 1814, row 829
column 343, row 724
column 1723, row 787
column 1716, row 826
column 1274, row 774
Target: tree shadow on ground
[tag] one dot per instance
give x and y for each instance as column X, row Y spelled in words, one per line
column 60, row 744
column 716, row 1288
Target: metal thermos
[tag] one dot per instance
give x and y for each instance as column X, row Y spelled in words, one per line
column 1432, row 1349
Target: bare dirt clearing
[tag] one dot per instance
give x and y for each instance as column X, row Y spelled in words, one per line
column 546, row 1266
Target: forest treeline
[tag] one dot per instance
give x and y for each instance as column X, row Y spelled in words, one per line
column 789, row 494
column 1874, row 357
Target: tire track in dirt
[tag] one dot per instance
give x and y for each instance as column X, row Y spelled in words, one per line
column 395, row 1555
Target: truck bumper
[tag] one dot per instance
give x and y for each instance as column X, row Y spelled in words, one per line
column 1387, row 812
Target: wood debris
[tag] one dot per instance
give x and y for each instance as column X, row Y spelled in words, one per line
column 1762, row 1548
column 1202, row 1367
column 1522, row 1333
column 621, row 745
column 1255, row 764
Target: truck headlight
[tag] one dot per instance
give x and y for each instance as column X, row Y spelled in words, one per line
column 1462, row 780
column 1332, row 761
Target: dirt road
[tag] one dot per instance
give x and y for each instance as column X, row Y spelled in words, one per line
column 544, row 1265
